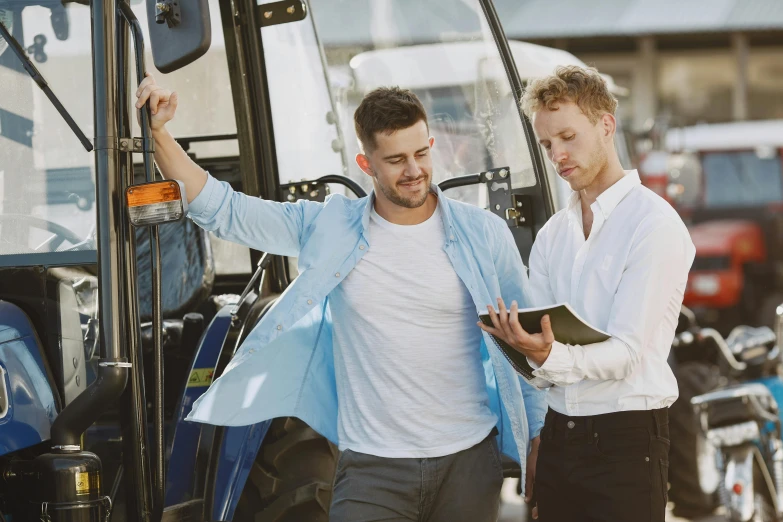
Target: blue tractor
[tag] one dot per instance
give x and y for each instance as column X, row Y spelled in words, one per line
column 110, row 326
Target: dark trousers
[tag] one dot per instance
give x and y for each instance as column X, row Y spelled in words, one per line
column 463, row 487
column 607, row 468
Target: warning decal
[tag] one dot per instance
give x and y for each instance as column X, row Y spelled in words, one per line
column 200, row 377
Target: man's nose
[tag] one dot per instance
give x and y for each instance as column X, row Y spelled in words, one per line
column 412, row 168
column 559, row 154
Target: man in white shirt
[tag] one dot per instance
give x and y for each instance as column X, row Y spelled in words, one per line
column 620, row 255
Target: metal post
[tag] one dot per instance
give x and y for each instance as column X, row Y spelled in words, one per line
column 645, row 100
column 739, row 43
column 112, row 372
column 135, row 419
column 159, row 469
column 107, row 176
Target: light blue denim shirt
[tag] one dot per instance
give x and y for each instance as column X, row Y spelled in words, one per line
column 285, row 367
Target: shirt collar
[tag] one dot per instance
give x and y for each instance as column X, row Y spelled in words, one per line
column 443, row 203
column 608, row 200
column 611, row 197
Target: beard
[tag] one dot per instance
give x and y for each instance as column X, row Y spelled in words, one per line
column 589, row 171
column 394, row 195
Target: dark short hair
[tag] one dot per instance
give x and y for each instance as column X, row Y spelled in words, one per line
column 386, row 110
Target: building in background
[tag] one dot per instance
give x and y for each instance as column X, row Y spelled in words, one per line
column 684, row 61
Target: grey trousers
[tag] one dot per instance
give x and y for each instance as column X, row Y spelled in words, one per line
column 463, row 487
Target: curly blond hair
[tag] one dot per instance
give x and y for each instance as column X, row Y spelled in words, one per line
column 570, row 83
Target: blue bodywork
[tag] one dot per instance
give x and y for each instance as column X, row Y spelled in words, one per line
column 239, row 445
column 188, row 435
column 237, row 454
column 32, row 406
column 775, row 386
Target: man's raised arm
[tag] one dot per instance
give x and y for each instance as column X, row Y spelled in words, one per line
column 172, row 160
column 260, row 224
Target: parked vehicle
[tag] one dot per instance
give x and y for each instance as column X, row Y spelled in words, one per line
column 726, row 181
column 743, row 421
column 693, row 474
column 95, row 378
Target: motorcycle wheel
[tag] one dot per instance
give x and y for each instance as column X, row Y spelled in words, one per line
column 693, row 475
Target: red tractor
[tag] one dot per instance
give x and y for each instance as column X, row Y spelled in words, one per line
column 726, row 181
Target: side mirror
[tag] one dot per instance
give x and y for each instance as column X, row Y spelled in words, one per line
column 180, row 32
column 779, row 324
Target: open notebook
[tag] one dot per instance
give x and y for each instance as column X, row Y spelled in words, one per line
column 567, row 326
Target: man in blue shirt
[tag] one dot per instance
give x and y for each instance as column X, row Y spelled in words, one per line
column 375, row 344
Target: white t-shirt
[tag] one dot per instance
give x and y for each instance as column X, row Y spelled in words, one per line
column 410, row 381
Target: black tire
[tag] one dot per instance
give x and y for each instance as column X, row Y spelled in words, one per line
column 693, row 378
column 291, row 479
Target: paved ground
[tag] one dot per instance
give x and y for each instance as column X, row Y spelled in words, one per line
column 512, row 509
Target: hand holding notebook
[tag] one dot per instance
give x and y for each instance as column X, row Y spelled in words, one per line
column 566, row 327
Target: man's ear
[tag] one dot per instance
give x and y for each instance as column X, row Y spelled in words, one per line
column 432, row 141
column 608, row 125
column 364, row 164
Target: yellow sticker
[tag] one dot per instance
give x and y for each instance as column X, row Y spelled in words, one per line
column 95, row 482
column 200, row 377
column 82, row 483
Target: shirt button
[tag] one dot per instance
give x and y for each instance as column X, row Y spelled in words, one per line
column 337, row 274
column 451, row 237
column 361, row 247
column 570, row 424
column 309, row 301
column 279, row 326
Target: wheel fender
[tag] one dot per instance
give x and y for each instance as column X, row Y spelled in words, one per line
column 238, row 451
column 28, row 405
column 238, row 445
column 745, row 465
column 739, row 470
column 187, row 438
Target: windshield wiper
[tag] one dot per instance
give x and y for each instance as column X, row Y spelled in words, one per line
column 41, row 81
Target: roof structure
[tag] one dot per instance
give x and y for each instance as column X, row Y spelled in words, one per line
column 540, row 19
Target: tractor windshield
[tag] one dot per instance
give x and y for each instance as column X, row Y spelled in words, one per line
column 47, row 188
column 742, row 178
column 443, row 50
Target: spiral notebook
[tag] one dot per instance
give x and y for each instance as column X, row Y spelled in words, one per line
column 567, row 326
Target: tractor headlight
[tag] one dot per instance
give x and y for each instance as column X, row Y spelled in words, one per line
column 706, row 284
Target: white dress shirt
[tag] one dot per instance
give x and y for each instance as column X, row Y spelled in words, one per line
column 628, row 279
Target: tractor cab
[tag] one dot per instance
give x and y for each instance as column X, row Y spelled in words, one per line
column 117, row 312
column 726, row 180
